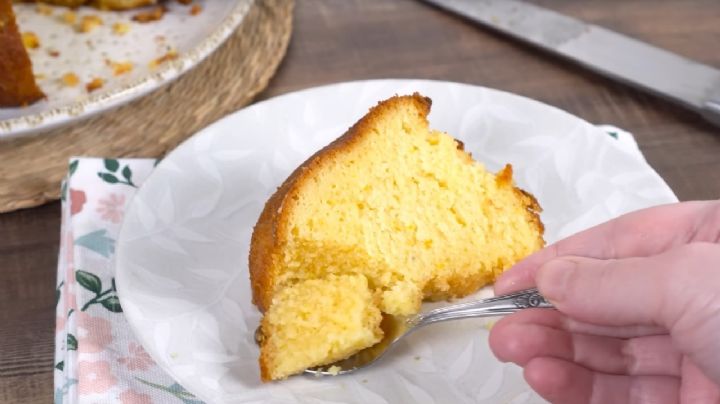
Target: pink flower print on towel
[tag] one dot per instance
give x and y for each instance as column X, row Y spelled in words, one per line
column 93, row 334
column 138, row 359
column 77, row 201
column 133, row 397
column 111, row 208
column 95, row 377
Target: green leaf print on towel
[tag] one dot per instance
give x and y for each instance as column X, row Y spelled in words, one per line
column 111, row 175
column 89, row 281
column 106, row 299
column 58, row 292
column 112, row 303
column 111, row 164
column 71, row 343
column 175, row 389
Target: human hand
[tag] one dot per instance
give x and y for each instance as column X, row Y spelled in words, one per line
column 638, row 311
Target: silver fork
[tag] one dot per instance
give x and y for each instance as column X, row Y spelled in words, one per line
column 396, row 328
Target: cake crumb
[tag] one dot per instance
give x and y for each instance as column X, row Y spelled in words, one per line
column 155, row 14
column 185, row 2
column 364, row 380
column 69, row 17
column 44, row 9
column 89, row 23
column 53, row 52
column 120, row 68
column 490, row 324
column 70, row 79
column 417, row 358
column 120, row 28
column 170, row 55
column 94, row 84
column 30, row 40
column 195, row 9
column 39, row 76
column 334, row 370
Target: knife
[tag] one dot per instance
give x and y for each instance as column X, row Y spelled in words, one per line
column 686, row 82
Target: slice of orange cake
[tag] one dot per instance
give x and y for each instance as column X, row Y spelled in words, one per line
column 391, row 202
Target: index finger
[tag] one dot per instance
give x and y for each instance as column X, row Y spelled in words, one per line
column 638, row 234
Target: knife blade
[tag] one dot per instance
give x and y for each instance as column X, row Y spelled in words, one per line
column 686, row 82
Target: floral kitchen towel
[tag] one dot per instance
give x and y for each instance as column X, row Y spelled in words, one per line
column 97, row 358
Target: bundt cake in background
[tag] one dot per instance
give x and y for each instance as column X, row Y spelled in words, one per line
column 390, row 214
column 17, row 80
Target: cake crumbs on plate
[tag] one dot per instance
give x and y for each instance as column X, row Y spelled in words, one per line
column 53, row 52
column 94, row 84
column 195, row 9
column 89, row 23
column 70, row 79
column 44, row 9
column 30, row 40
column 170, row 55
column 334, row 370
column 69, row 17
column 120, row 68
column 154, row 14
column 120, row 28
column 40, row 76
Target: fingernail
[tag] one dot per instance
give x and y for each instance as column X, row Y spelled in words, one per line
column 553, row 279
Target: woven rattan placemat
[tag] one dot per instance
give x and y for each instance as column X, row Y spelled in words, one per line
column 31, row 168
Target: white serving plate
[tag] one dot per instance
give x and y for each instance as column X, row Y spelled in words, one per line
column 182, row 253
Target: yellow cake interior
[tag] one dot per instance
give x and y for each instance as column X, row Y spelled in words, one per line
column 319, row 321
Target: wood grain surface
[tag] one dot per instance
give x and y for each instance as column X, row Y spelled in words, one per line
column 338, row 40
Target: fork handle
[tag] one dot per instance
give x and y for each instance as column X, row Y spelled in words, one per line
column 494, row 306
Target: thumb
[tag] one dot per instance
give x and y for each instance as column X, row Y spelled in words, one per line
column 678, row 290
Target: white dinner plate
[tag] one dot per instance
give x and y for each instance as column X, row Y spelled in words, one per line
column 182, row 254
column 62, row 50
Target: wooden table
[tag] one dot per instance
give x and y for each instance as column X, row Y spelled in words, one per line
column 338, row 40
